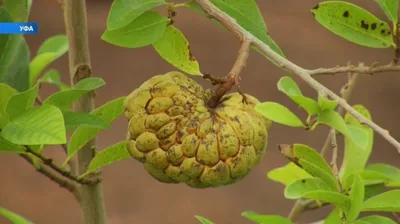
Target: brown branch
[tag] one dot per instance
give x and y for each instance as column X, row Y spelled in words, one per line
column 334, row 149
column 304, row 74
column 391, row 67
column 49, row 162
column 226, row 83
column 61, row 182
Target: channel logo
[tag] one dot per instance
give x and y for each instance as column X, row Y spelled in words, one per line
column 19, row 28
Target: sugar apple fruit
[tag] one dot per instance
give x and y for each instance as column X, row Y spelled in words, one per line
column 179, row 139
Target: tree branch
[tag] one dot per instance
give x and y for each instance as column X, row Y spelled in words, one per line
column 61, row 182
column 304, row 74
column 391, row 67
column 75, row 18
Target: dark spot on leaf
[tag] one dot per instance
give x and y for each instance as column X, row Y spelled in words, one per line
column 316, row 7
column 373, row 26
column 364, row 25
column 346, row 14
column 381, row 24
column 303, row 181
column 191, row 57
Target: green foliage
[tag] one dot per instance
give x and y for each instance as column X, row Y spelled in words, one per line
column 261, row 219
column 50, row 50
column 6, row 92
column 123, row 12
column 391, row 8
column 108, row 112
column 18, row 9
column 203, row 220
column 278, row 113
column 36, row 126
column 64, row 99
column 175, row 49
column 354, row 24
column 326, row 104
column 13, row 217
column 388, row 202
column 374, row 219
column 356, row 198
column 77, row 119
column 107, row 156
column 53, row 77
column 334, row 217
column 287, row 174
column 288, row 86
column 6, row 146
column 143, row 31
column 20, row 102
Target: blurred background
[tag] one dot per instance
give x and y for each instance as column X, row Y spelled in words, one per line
column 131, row 195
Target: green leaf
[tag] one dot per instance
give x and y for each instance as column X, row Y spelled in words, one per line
column 334, row 120
column 391, row 8
column 288, row 86
column 386, row 202
column 203, row 220
column 326, row 104
column 356, row 198
column 287, row 174
column 6, row 146
column 18, row 9
column 374, row 219
column 143, row 31
column 334, row 217
column 50, row 50
column 278, row 113
column 354, row 24
column 373, row 189
column 123, row 12
column 37, row 126
column 316, row 189
column 13, row 217
column 76, row 119
column 356, row 157
column 66, row 98
column 390, row 172
column 264, row 219
column 312, row 162
column 53, row 77
column 21, row 102
column 14, row 58
column 175, row 49
column 107, row 156
column 82, row 135
column 393, row 184
column 6, row 92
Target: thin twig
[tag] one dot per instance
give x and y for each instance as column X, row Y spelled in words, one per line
column 67, row 174
column 61, row 182
column 334, row 149
column 304, row 74
column 391, row 67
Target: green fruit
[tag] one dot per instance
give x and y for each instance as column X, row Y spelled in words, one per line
column 179, row 139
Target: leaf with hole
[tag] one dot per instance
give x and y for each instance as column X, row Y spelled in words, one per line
column 312, row 162
column 388, row 201
column 316, row 189
column 326, row 104
column 278, row 113
column 355, row 157
column 53, row 77
column 107, row 156
column 203, row 220
column 374, row 219
column 21, row 102
column 354, row 24
column 288, row 86
column 6, row 92
column 66, row 98
column 37, row 126
column 77, row 119
column 82, row 135
column 287, row 174
column 123, row 12
column 143, row 31
column 356, row 198
column 263, row 219
column 391, row 8
column 175, row 49
column 6, row 146
column 14, row 58
column 50, row 50
column 13, row 217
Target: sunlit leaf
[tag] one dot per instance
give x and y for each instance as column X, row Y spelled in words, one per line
column 143, row 31
column 13, row 217
column 175, row 49
column 77, row 119
column 356, row 198
column 123, row 12
column 21, row 102
column 264, row 219
column 287, row 174
column 334, row 217
column 203, row 220
column 6, row 92
column 374, row 219
column 391, row 8
column 326, row 104
column 53, row 77
column 386, row 202
column 278, row 113
column 353, row 24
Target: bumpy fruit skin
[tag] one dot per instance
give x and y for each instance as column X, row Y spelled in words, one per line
column 178, row 139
